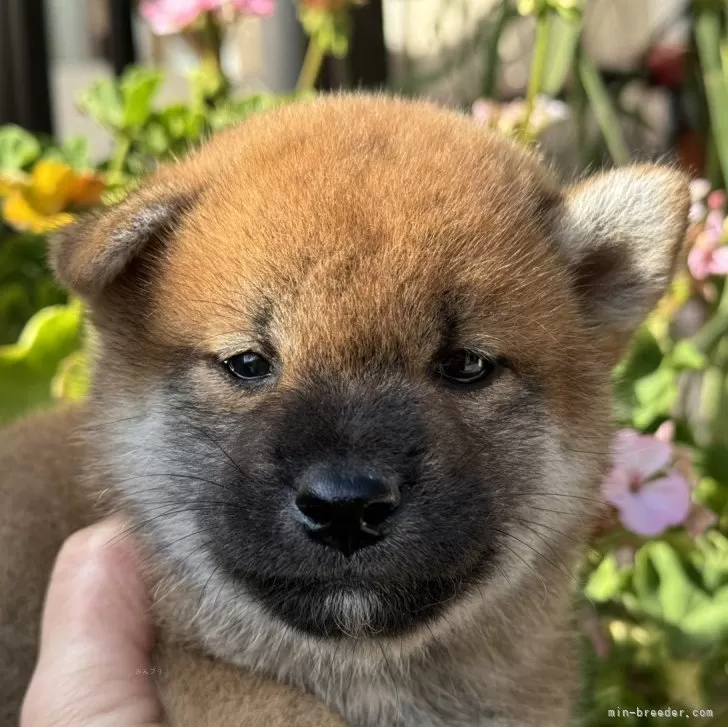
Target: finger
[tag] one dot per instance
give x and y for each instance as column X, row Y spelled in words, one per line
column 96, row 637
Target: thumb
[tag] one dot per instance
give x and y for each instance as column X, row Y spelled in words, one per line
column 96, row 638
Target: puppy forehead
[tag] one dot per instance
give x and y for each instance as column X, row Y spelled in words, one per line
column 350, row 206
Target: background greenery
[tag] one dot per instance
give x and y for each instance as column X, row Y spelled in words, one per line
column 656, row 608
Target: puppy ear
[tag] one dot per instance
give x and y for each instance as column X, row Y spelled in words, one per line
column 620, row 233
column 91, row 253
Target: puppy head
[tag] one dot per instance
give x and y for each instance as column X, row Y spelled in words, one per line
column 354, row 358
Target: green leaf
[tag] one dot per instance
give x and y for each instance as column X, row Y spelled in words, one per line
column 606, row 581
column 104, row 104
column 644, row 357
column 18, row 149
column 206, row 83
column 28, row 366
column 708, row 623
column 710, row 492
column 655, row 395
column 711, row 560
column 26, row 284
column 328, row 28
column 235, row 111
column 715, row 463
column 686, row 356
column 661, row 586
column 71, row 382
column 77, row 153
column 138, row 88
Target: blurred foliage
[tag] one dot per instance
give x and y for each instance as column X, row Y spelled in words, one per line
column 655, row 607
column 43, row 186
column 146, row 134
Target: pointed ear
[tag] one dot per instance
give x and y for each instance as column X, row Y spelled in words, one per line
column 620, row 233
column 91, row 253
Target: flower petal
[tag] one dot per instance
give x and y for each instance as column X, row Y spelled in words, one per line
column 171, row 16
column 666, row 431
column 20, row 214
column 640, row 453
column 714, row 224
column 50, row 183
column 699, row 260
column 716, row 199
column 668, row 498
column 637, row 516
column 718, row 263
column 615, row 488
column 263, row 8
column 85, row 189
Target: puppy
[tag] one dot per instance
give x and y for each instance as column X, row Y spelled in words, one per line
column 351, row 390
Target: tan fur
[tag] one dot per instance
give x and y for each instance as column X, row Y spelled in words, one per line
column 42, row 505
column 349, row 212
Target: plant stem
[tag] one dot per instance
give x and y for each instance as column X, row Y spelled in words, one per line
column 118, row 160
column 538, row 68
column 210, row 50
column 603, row 109
column 311, row 66
column 716, row 327
column 708, row 43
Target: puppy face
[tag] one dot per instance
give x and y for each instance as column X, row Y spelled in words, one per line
column 354, row 358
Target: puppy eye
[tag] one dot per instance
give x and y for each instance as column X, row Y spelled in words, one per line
column 466, row 367
column 248, row 366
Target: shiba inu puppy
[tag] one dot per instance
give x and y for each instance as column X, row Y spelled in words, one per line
column 351, row 389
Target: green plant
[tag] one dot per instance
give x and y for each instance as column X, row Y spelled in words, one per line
column 43, row 185
column 654, row 585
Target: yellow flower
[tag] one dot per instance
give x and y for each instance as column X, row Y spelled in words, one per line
column 39, row 202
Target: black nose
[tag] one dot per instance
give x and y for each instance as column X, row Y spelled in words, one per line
column 346, row 510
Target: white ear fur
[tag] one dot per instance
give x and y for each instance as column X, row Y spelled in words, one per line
column 620, row 233
column 93, row 251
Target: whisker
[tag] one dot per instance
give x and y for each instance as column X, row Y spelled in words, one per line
column 535, row 550
column 394, row 684
column 177, row 476
column 549, row 527
column 219, row 446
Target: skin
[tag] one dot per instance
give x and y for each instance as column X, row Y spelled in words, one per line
column 97, row 606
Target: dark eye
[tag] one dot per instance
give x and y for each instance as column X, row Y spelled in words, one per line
column 248, row 366
column 466, row 367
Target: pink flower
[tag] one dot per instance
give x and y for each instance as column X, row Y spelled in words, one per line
column 647, row 504
column 172, row 16
column 714, row 225
column 716, row 200
column 705, row 260
column 707, row 256
column 665, row 432
column 262, row 8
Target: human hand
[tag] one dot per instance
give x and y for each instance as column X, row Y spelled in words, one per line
column 96, row 639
